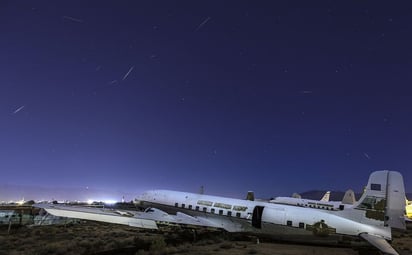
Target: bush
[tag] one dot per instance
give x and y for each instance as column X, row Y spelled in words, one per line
column 252, row 251
column 158, row 245
column 226, row 246
column 141, row 244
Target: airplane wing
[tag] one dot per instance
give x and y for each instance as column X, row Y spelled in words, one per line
column 380, row 243
column 151, row 218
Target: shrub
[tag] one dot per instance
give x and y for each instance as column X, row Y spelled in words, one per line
column 226, row 246
column 158, row 245
column 141, row 244
column 252, row 251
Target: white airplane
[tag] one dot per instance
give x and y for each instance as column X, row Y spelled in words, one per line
column 408, row 210
column 371, row 219
column 347, row 201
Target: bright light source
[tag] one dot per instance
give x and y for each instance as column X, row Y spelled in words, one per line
column 109, row 201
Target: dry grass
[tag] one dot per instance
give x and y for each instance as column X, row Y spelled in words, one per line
column 105, row 239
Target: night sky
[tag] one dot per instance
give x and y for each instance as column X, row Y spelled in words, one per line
column 271, row 96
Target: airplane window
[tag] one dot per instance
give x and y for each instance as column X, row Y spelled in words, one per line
column 190, row 206
column 222, row 205
column 289, row 223
column 203, row 202
column 177, row 204
column 220, row 212
column 183, row 205
column 197, row 208
column 238, row 214
column 375, row 186
column 239, row 208
column 212, row 210
column 229, row 213
column 301, row 225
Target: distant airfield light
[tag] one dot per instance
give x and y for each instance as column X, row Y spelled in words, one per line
column 105, row 201
column 109, row 201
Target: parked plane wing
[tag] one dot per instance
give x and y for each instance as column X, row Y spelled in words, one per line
column 379, row 243
column 99, row 214
column 149, row 219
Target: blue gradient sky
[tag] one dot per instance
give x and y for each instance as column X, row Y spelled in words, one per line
column 275, row 97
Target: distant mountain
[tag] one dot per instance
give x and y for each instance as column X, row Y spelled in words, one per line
column 13, row 192
column 334, row 195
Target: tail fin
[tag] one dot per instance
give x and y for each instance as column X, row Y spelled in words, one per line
column 349, row 197
column 325, row 197
column 250, row 196
column 384, row 199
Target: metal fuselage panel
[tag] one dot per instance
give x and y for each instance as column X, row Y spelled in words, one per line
column 275, row 218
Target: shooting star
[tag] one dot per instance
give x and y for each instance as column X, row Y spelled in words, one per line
column 128, row 72
column 18, row 109
column 202, row 24
column 72, row 19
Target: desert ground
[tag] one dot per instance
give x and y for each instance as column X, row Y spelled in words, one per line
column 103, row 239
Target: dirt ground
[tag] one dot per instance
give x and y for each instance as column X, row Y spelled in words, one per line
column 106, row 239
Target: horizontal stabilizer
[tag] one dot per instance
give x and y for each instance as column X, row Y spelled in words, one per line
column 380, row 243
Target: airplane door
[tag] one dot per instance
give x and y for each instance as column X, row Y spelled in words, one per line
column 257, row 216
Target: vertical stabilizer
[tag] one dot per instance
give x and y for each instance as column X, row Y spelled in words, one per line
column 250, row 196
column 325, row 197
column 396, row 201
column 384, row 199
column 349, row 197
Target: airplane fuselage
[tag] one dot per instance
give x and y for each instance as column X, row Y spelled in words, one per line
column 238, row 215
